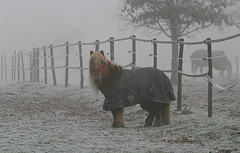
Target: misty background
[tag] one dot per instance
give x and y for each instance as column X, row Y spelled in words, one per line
column 28, row 24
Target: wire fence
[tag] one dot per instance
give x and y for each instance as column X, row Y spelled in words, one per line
column 19, row 63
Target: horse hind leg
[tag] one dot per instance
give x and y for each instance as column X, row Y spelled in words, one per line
column 149, row 108
column 117, row 118
column 165, row 114
column 158, row 114
column 149, row 120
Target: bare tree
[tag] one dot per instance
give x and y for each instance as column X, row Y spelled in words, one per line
column 176, row 18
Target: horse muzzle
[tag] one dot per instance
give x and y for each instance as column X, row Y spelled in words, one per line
column 97, row 76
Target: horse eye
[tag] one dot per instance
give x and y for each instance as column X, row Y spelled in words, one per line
column 102, row 62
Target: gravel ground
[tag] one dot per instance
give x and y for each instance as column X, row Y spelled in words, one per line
column 44, row 118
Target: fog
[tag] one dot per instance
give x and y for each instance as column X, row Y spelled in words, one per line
column 27, row 24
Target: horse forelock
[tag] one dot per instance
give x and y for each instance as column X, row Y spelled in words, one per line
column 97, row 57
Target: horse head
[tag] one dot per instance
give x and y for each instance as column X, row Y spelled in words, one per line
column 103, row 73
column 98, row 65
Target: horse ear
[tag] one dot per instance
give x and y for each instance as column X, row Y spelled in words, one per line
column 91, row 52
column 102, row 52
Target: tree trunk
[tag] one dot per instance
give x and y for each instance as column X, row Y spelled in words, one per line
column 174, row 55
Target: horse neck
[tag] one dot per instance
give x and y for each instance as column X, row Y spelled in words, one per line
column 111, row 78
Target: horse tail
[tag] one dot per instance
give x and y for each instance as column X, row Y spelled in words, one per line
column 229, row 68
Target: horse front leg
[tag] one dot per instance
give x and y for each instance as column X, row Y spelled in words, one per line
column 117, row 118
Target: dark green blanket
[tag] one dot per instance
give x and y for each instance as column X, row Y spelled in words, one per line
column 139, row 86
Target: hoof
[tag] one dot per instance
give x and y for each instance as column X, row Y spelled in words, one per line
column 117, row 125
column 166, row 123
column 149, row 120
column 157, row 124
column 147, row 124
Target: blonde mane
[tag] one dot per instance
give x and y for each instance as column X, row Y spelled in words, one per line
column 98, row 57
column 114, row 65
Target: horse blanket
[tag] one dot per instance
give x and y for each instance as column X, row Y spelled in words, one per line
column 139, row 86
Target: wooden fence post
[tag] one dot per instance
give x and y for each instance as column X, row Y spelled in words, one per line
column 45, row 64
column 97, row 45
column 179, row 98
column 81, row 65
column 1, row 68
column 111, row 48
column 37, row 65
column 23, row 71
column 19, row 67
column 154, row 53
column 15, row 65
column 12, row 66
column 237, row 66
column 5, row 59
column 52, row 66
column 34, row 65
column 31, row 66
column 67, row 64
column 209, row 47
column 133, row 50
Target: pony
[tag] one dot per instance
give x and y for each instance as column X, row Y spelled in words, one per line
column 122, row 88
column 220, row 63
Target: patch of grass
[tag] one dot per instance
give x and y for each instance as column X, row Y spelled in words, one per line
column 186, row 111
column 48, row 142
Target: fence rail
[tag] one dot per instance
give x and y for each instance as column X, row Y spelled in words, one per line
column 18, row 64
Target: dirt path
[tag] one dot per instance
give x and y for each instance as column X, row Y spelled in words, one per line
column 39, row 118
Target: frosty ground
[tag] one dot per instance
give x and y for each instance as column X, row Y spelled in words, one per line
column 45, row 118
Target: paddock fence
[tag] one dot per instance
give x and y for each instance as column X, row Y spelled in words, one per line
column 19, row 63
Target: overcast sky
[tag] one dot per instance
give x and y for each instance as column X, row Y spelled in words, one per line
column 33, row 23
column 26, row 24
